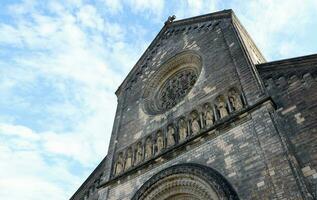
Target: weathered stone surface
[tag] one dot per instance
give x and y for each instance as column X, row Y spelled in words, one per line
column 218, row 108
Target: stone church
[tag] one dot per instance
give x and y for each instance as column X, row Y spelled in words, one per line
column 203, row 116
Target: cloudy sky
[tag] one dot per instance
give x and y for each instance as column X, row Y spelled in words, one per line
column 61, row 62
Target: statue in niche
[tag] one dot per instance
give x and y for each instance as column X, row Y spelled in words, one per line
column 235, row 100
column 222, row 107
column 148, row 148
column 119, row 165
column 182, row 130
column 139, row 154
column 195, row 124
column 170, row 135
column 128, row 161
column 159, row 142
column 209, row 116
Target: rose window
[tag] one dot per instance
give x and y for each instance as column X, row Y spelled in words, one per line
column 171, row 83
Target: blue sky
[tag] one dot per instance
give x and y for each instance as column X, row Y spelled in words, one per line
column 61, row 62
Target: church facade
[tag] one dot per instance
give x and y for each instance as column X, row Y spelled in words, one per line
column 203, row 116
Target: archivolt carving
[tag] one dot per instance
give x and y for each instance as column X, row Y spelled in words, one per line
column 186, row 181
column 181, row 185
column 171, row 83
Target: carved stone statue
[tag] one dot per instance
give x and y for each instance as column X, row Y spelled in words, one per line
column 195, row 124
column 159, row 142
column 128, row 161
column 182, row 130
column 119, row 164
column 148, row 148
column 170, row 136
column 235, row 100
column 139, row 154
column 208, row 115
column 170, row 19
column 222, row 107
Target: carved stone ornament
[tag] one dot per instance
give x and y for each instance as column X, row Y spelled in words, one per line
column 221, row 106
column 170, row 136
column 186, row 182
column 159, row 142
column 195, row 124
column 235, row 100
column 128, row 161
column 171, row 83
column 182, row 130
column 208, row 115
column 119, row 164
column 139, row 154
column 148, row 148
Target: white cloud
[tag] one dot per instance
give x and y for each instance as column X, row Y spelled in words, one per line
column 67, row 59
column 26, row 171
column 70, row 55
column 114, row 6
column 155, row 7
column 190, row 8
column 29, row 188
column 270, row 22
column 89, row 17
column 20, row 131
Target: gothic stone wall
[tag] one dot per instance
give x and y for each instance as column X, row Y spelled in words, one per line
column 293, row 86
column 224, row 65
column 248, row 153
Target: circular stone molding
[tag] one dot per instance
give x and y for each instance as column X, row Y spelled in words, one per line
column 186, row 181
column 171, row 83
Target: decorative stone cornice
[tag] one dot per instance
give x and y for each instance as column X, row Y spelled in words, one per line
column 231, row 118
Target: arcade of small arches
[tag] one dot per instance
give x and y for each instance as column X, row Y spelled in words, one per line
column 182, row 129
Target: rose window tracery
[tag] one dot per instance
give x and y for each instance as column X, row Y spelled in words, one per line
column 176, row 88
column 171, row 83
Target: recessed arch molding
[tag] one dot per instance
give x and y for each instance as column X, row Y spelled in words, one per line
column 186, row 181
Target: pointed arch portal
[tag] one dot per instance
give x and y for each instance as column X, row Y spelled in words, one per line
column 186, row 182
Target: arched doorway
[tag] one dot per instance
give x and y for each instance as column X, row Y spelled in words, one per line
column 186, row 182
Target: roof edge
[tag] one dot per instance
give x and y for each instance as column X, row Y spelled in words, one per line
column 92, row 174
column 219, row 14
column 242, row 30
column 300, row 60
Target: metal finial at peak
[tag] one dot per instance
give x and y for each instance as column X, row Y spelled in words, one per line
column 170, row 19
